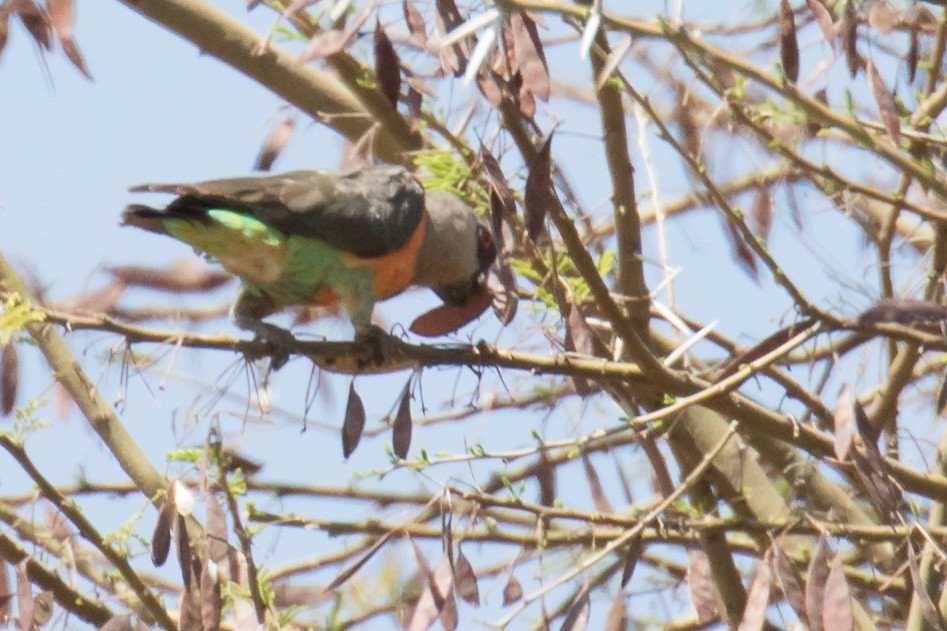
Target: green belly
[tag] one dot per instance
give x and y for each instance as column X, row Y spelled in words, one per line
column 288, row 270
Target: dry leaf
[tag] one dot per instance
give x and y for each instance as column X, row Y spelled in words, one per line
column 299, row 595
column 757, row 599
column 538, row 190
column 24, row 596
column 577, row 616
column 432, row 601
column 43, row 606
column 762, row 213
column 57, row 525
column 941, row 395
column 599, row 500
column 903, row 312
column 743, row 253
column 632, row 554
column 401, row 428
column 190, row 608
column 579, row 339
column 183, row 548
column 62, row 14
column 296, row 6
column 837, row 614
column 887, row 106
column 504, row 292
column 326, row 43
column 425, row 612
column 231, row 461
column 161, row 537
column 62, row 401
column 546, row 476
column 6, row 594
column 850, row 38
column 928, row 608
column 4, row 26
column 579, row 331
column 786, row 575
column 874, row 472
column 243, row 614
column 443, row 578
column 123, row 623
column 453, row 58
column 217, row 547
column 788, row 45
column 530, row 58
column 354, row 422
column 465, row 580
column 496, row 218
column 387, row 66
column 824, row 18
column 617, row 615
column 448, row 318
column 883, row 18
column 512, row 592
column 524, row 98
column 276, row 140
column 700, row 586
column 100, row 301
column 414, row 100
column 816, row 578
column 211, row 600
column 415, row 22
column 182, row 275
column 35, row 20
column 844, row 422
column 764, row 347
column 360, row 154
column 491, row 86
column 498, row 183
column 9, row 378
column 910, row 59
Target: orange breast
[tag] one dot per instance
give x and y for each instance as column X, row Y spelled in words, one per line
column 325, row 298
column 393, row 271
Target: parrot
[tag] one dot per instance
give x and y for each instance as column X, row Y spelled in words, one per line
column 324, row 238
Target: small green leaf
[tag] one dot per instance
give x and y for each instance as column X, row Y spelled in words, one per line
column 192, row 454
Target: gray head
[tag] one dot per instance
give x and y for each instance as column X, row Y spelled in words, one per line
column 457, row 252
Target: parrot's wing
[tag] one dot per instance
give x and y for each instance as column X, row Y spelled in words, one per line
column 369, row 213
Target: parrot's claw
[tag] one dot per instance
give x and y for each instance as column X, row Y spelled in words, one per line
column 280, row 341
column 381, row 342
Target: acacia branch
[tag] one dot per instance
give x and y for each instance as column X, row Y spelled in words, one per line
column 90, row 534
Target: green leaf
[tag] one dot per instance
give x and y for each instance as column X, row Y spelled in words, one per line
column 15, row 314
column 192, row 454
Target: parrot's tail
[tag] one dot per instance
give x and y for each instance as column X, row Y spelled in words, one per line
column 146, row 218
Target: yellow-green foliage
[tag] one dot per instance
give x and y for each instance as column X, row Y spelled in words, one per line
column 451, row 175
column 15, row 314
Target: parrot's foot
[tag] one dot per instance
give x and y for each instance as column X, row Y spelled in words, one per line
column 382, row 344
column 280, row 341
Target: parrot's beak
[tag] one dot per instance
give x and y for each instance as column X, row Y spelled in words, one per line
column 457, row 294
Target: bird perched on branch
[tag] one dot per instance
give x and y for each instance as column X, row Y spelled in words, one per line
column 322, row 238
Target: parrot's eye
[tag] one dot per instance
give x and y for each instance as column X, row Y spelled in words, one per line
column 486, row 248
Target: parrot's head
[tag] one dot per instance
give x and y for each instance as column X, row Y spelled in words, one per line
column 456, row 294
column 458, row 250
